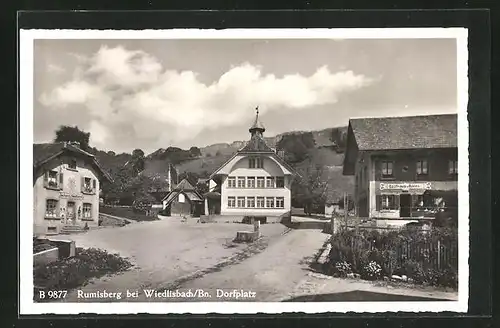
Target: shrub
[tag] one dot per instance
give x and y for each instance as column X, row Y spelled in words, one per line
column 343, row 268
column 407, row 252
column 76, row 271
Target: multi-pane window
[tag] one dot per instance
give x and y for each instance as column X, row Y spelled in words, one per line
column 72, row 164
column 453, row 167
column 388, row 202
column 251, row 202
column 255, row 162
column 231, row 182
column 270, row 202
column 52, row 179
column 260, row 202
column 280, row 182
column 87, row 210
column 280, row 202
column 231, row 202
column 241, row 201
column 260, row 182
column 422, row 167
column 270, row 182
column 88, row 185
column 51, row 208
column 241, row 182
column 387, row 169
column 251, row 182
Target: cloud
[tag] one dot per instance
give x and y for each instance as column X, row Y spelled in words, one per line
column 53, row 68
column 131, row 90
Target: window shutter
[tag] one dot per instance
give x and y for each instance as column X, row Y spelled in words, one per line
column 46, row 178
column 396, row 202
column 379, row 202
column 82, row 183
column 94, row 184
column 61, row 179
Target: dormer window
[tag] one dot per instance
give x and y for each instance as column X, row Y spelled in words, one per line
column 255, row 162
column 72, row 164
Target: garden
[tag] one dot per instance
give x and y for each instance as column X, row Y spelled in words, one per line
column 77, row 271
column 409, row 255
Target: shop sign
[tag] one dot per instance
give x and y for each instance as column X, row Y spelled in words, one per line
column 405, row 186
column 67, row 195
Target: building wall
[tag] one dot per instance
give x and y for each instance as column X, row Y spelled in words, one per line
column 69, row 190
column 270, row 169
column 405, row 179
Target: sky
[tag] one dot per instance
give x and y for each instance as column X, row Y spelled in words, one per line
column 152, row 94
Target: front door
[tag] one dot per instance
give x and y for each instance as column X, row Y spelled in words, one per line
column 405, row 205
column 70, row 213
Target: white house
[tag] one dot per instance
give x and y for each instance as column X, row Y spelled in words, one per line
column 255, row 181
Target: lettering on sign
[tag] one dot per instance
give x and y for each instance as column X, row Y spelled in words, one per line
column 67, row 195
column 406, row 186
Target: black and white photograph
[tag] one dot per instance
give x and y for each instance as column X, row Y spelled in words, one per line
column 244, row 171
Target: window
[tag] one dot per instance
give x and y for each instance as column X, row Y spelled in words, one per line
column 251, row 182
column 422, row 167
column 280, row 182
column 241, row 201
column 387, row 169
column 259, row 162
column 251, row 162
column 270, row 202
column 51, row 208
column 388, row 202
column 453, row 167
column 270, row 182
column 260, row 182
column 251, row 202
column 87, row 210
column 72, row 164
column 231, row 182
column 52, row 179
column 231, row 202
column 260, row 202
column 241, row 182
column 280, row 202
column 181, row 198
column 87, row 185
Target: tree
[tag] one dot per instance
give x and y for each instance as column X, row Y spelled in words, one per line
column 310, row 191
column 137, row 153
column 339, row 137
column 138, row 160
column 195, row 151
column 73, row 133
column 296, row 146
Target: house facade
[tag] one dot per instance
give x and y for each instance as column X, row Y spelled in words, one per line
column 402, row 165
column 255, row 181
column 66, row 185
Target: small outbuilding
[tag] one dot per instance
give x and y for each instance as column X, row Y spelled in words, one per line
column 183, row 200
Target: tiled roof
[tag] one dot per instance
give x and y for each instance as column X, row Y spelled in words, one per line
column 46, row 151
column 410, row 132
column 256, row 144
column 184, row 185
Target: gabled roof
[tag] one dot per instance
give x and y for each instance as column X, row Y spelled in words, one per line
column 191, row 195
column 409, row 132
column 184, row 185
column 42, row 153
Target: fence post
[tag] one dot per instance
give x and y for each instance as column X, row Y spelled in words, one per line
column 439, row 254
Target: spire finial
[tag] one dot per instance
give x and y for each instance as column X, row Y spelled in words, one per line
column 257, row 110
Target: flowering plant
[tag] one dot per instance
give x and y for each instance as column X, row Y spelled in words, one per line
column 343, row 268
column 372, row 270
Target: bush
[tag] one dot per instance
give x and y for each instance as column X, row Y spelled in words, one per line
column 342, row 269
column 78, row 270
column 407, row 252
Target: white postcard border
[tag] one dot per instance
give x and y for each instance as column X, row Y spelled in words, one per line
column 28, row 306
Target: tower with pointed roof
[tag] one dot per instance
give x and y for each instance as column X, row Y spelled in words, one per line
column 255, row 181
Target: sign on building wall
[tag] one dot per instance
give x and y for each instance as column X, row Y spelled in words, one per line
column 406, row 186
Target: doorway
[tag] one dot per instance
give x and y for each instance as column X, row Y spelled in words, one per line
column 405, row 205
column 70, row 213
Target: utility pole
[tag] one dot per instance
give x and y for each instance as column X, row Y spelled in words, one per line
column 345, row 209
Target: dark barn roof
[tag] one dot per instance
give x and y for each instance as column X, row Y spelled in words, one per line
column 42, row 153
column 399, row 133
column 410, row 132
